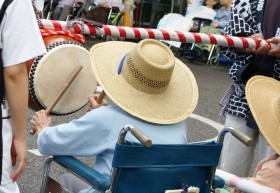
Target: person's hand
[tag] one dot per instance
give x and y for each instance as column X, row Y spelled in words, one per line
column 19, row 154
column 76, row 2
column 93, row 103
column 215, row 24
column 39, row 121
column 275, row 51
column 264, row 49
column 266, row 159
column 234, row 191
column 104, row 4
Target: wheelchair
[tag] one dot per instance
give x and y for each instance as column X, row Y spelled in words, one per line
column 191, row 50
column 49, row 8
column 150, row 168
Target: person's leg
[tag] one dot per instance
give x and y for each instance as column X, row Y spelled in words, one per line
column 72, row 183
column 236, row 157
column 7, row 169
column 64, row 13
column 9, row 188
column 129, row 8
column 56, row 13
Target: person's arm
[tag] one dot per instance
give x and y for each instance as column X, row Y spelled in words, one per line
column 88, row 135
column 40, row 120
column 16, row 90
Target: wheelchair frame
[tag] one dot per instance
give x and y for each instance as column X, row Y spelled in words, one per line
column 100, row 182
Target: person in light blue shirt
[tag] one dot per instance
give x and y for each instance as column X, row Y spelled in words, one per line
column 151, row 89
column 222, row 17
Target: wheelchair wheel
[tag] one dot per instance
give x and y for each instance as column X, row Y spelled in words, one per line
column 214, row 61
column 191, row 59
column 49, row 8
column 47, row 11
column 179, row 53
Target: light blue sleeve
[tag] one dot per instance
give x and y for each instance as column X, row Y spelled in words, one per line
column 87, row 136
column 223, row 17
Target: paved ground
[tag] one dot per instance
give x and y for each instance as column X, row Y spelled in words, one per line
column 212, row 83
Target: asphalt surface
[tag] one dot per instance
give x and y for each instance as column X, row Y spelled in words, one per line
column 212, row 83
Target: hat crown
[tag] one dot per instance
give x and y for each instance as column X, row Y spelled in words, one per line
column 149, row 66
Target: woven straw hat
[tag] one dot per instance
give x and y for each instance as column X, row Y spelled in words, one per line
column 263, row 95
column 145, row 80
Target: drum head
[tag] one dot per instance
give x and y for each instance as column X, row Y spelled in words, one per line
column 49, row 75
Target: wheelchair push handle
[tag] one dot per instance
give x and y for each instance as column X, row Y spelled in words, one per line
column 236, row 133
column 242, row 137
column 144, row 139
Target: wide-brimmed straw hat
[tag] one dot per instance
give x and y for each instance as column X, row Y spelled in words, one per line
column 145, row 80
column 263, row 96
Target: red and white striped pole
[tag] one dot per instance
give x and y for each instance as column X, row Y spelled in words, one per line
column 244, row 184
column 144, row 33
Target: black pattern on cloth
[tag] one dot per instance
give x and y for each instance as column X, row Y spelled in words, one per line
column 39, row 16
column 245, row 21
column 82, row 22
column 73, row 23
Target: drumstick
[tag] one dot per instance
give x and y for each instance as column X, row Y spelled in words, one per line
column 101, row 97
column 68, row 82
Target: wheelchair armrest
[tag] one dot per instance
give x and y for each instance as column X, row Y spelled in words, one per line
column 94, row 178
column 218, row 182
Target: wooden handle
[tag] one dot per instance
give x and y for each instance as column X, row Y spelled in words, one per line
column 101, row 97
column 66, row 85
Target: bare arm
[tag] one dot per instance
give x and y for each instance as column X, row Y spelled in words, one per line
column 16, row 88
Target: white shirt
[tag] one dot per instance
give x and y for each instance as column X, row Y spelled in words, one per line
column 20, row 37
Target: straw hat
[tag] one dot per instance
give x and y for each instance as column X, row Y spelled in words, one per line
column 263, row 95
column 145, row 80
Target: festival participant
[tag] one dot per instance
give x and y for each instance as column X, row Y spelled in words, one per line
column 263, row 96
column 152, row 90
column 256, row 19
column 20, row 41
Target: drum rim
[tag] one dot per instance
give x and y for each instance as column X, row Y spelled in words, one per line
column 33, row 69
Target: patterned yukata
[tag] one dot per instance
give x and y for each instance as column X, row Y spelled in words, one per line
column 248, row 17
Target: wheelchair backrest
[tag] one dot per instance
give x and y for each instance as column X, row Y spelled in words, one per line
column 164, row 167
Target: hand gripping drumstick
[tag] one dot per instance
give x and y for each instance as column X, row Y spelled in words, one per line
column 101, row 97
column 68, row 82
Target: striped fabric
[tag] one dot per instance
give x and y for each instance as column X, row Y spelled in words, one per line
column 79, row 37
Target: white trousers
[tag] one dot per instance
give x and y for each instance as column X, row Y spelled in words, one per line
column 9, row 188
column 72, row 183
column 238, row 158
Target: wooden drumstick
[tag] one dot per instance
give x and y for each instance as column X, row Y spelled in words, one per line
column 66, row 85
column 101, row 97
